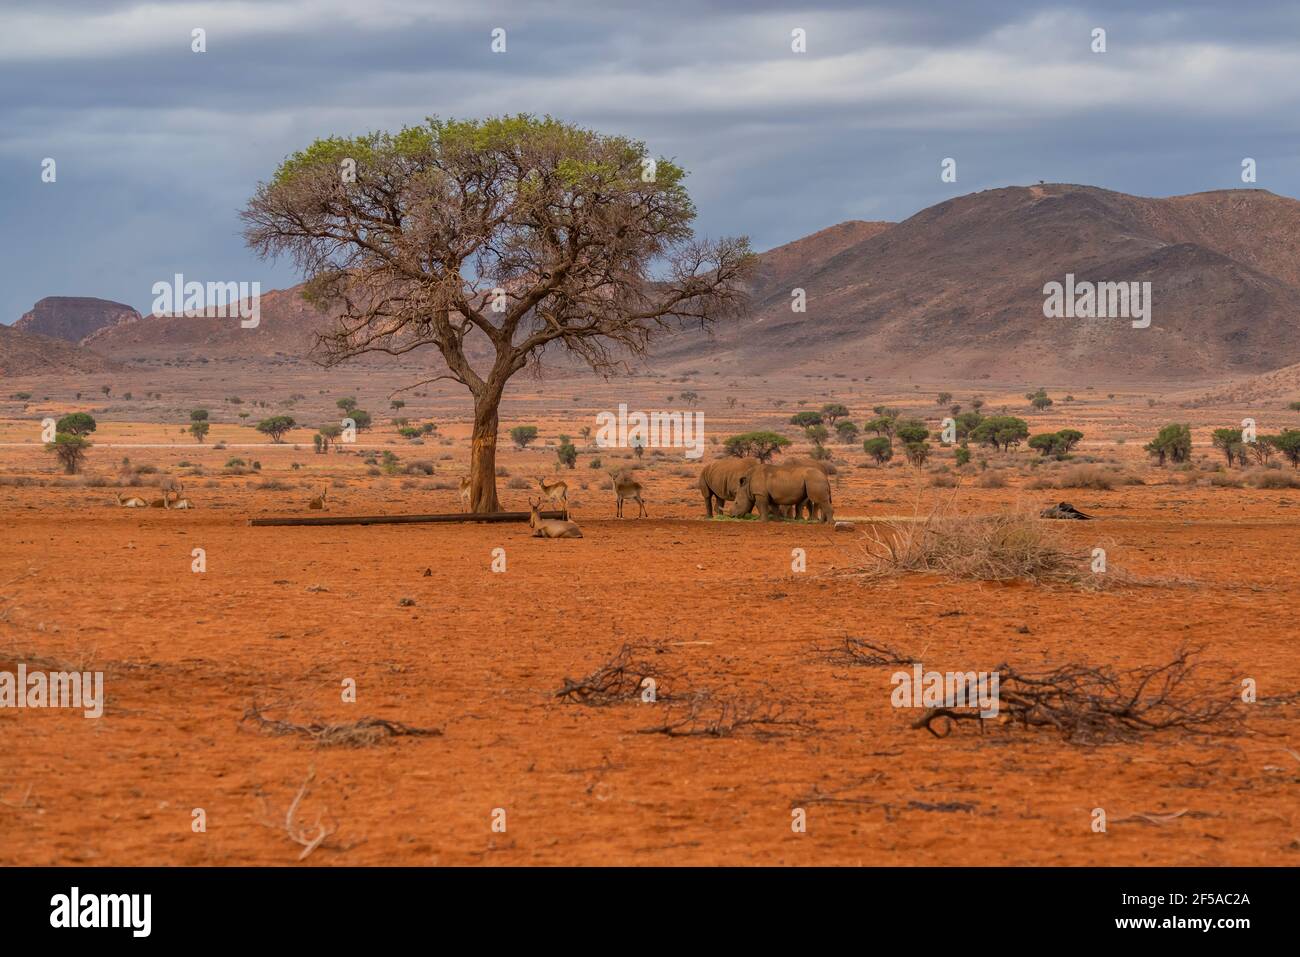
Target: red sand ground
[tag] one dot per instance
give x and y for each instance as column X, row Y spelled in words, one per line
column 285, row 615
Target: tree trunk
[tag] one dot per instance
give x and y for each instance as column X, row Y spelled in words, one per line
column 483, row 453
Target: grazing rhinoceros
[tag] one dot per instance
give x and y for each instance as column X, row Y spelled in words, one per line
column 776, row 486
column 718, row 480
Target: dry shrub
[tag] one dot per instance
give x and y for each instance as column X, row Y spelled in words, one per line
column 1223, row 480
column 944, row 480
column 518, row 483
column 1095, row 477
column 1006, row 546
column 1272, row 478
column 992, row 479
column 704, row 714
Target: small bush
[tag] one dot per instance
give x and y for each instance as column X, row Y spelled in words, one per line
column 1273, row 479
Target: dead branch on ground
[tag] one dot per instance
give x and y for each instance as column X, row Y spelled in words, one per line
column 704, row 714
column 356, row 734
column 621, row 678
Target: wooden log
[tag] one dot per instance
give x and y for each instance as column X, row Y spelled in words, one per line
column 402, row 519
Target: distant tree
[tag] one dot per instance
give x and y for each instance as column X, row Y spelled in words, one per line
column 78, row 423
column 806, row 418
column 1293, row 406
column 911, row 431
column 585, row 432
column 1001, row 431
column 962, row 455
column 347, row 403
column 757, row 445
column 360, row 418
column 817, row 435
column 522, row 435
column 330, row 433
column 106, row 389
column 977, row 403
column 1173, row 441
column 1039, row 399
column 397, row 405
column 199, row 429
column 880, row 449
column 70, row 449
column 966, row 423
column 944, row 398
column 318, row 441
column 1229, row 442
column 691, row 398
column 198, row 415
column 847, row 432
column 881, row 425
column 1263, row 449
column 1288, row 443
column 832, row 412
column 276, row 426
column 1070, row 438
column 917, row 452
column 567, row 452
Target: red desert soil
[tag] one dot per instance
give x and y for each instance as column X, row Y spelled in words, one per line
column 285, row 615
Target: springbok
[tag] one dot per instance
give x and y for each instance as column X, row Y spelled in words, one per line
column 319, row 500
column 557, row 492
column 182, row 503
column 549, row 527
column 132, row 502
column 625, row 487
column 464, row 493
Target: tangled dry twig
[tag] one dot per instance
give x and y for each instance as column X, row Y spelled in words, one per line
column 1091, row 704
column 356, row 734
column 703, row 714
column 622, row 678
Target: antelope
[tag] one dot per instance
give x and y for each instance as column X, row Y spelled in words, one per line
column 625, row 487
column 549, row 527
column 557, row 492
column 182, row 503
column 464, row 493
column 319, row 500
column 131, row 502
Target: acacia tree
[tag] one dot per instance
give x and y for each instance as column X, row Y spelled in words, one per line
column 490, row 240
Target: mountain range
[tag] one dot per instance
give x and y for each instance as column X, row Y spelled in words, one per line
column 957, row 291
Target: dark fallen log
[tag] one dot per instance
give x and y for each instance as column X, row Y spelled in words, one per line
column 402, row 519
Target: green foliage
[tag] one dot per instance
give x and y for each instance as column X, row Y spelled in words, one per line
column 911, row 431
column 966, row 423
column 198, row 415
column 917, row 452
column 944, row 398
column 832, row 412
column 347, row 403
column 881, row 425
column 806, row 418
column 360, row 418
column 758, row 445
column 78, row 423
column 1288, row 443
column 847, row 432
column 1039, row 399
column 1001, row 431
column 880, row 449
column 522, row 435
column 963, row 455
column 1229, row 442
column 276, row 426
column 199, row 430
column 567, row 452
column 1173, row 441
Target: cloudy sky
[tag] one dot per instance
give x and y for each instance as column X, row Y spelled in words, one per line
column 158, row 148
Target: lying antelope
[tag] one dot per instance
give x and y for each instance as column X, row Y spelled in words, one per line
column 557, row 492
column 319, row 500
column 625, row 487
column 549, row 527
column 464, row 493
column 132, row 502
column 182, row 503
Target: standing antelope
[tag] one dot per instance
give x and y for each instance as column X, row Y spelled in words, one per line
column 557, row 492
column 319, row 500
column 131, row 502
column 464, row 493
column 549, row 527
column 625, row 487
